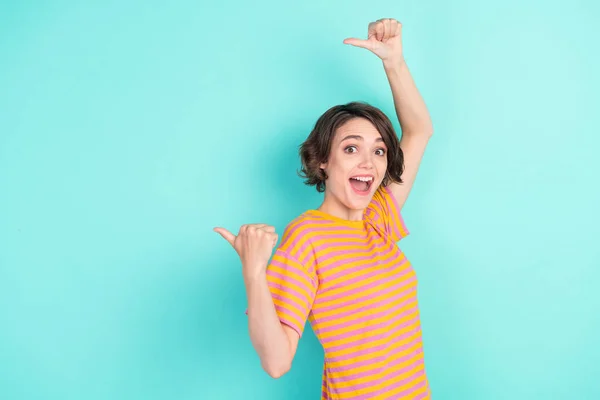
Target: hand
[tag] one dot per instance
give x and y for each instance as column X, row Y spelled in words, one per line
column 384, row 40
column 254, row 244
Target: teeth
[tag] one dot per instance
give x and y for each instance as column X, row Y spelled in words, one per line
column 364, row 179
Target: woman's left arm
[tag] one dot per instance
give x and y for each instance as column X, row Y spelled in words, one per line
column 415, row 124
column 385, row 41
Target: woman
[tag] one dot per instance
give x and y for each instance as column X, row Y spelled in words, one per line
column 339, row 266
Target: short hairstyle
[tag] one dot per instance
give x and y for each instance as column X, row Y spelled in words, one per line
column 316, row 148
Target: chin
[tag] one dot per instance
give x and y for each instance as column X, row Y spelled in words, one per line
column 358, row 202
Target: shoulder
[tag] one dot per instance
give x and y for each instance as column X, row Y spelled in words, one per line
column 300, row 231
column 377, row 206
column 381, row 198
column 383, row 212
column 297, row 245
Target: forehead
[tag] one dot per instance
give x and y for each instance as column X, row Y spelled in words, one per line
column 357, row 126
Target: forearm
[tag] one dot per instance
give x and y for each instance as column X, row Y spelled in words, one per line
column 266, row 333
column 409, row 104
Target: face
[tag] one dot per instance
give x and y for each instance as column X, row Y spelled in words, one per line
column 356, row 166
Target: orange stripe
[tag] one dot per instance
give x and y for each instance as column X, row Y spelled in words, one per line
column 379, row 353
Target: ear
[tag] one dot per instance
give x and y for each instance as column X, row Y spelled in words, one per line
column 323, row 165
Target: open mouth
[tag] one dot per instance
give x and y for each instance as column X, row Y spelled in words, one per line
column 361, row 184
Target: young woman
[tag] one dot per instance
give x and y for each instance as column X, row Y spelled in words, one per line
column 339, row 266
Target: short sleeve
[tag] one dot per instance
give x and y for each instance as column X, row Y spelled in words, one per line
column 293, row 289
column 384, row 212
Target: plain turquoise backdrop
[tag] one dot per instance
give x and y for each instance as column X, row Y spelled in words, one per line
column 128, row 130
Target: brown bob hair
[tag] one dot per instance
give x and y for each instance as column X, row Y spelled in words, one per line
column 315, row 150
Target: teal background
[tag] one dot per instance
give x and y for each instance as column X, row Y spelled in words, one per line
column 128, row 130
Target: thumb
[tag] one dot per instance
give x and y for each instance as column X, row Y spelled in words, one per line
column 230, row 237
column 365, row 44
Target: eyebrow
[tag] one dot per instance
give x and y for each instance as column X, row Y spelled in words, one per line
column 358, row 137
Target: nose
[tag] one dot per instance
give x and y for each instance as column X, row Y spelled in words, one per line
column 366, row 161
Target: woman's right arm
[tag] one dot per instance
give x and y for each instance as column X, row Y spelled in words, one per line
column 275, row 342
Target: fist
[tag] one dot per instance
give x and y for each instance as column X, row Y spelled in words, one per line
column 254, row 244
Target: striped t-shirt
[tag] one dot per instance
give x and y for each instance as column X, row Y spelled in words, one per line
column 359, row 293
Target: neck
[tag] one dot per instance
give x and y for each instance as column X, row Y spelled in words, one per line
column 332, row 206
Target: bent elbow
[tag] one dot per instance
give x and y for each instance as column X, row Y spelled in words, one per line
column 277, row 371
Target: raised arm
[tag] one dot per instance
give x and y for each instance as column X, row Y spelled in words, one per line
column 385, row 40
column 415, row 123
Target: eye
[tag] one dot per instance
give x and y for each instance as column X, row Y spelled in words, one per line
column 380, row 152
column 351, row 149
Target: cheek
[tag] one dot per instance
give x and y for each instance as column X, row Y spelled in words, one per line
column 339, row 171
column 339, row 166
column 382, row 164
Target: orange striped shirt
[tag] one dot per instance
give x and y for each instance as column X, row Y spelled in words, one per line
column 357, row 289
